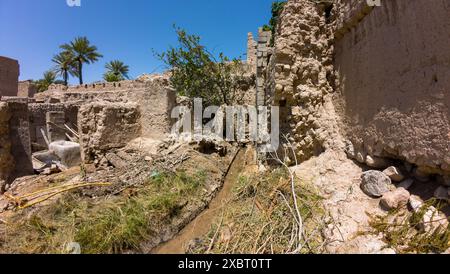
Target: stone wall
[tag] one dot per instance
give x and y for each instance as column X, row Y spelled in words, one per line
column 17, row 140
column 251, row 52
column 393, row 81
column 6, row 159
column 263, row 53
column 154, row 98
column 299, row 78
column 9, row 76
column 27, row 89
column 105, row 126
column 38, row 121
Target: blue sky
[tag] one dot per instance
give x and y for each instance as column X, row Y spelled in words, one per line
column 32, row 30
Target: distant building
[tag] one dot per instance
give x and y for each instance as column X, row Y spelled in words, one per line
column 9, row 76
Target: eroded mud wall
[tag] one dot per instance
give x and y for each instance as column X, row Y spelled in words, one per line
column 393, row 82
column 299, row 79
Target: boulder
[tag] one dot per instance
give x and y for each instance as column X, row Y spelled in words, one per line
column 68, row 152
column 375, row 183
column 395, row 199
column 394, row 173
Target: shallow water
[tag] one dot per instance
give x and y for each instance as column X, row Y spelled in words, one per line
column 202, row 224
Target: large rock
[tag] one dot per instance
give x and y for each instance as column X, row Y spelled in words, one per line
column 395, row 199
column 375, row 183
column 68, row 152
column 394, row 173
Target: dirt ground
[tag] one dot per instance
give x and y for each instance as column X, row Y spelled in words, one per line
column 23, row 202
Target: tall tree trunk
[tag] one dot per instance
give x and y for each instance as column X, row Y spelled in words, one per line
column 66, row 77
column 80, row 71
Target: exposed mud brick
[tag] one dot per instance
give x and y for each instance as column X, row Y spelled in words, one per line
column 27, row 89
column 19, row 132
column 6, row 160
column 105, row 126
column 298, row 79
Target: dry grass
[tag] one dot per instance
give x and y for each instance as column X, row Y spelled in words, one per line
column 259, row 218
column 401, row 231
column 112, row 224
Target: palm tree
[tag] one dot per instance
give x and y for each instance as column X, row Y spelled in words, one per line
column 111, row 77
column 48, row 79
column 83, row 52
column 65, row 65
column 118, row 69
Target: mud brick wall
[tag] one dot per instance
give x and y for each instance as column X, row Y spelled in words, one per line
column 298, row 78
column 19, row 134
column 27, row 89
column 393, row 81
column 6, row 159
column 105, row 126
column 55, row 126
column 154, row 98
column 9, row 76
column 37, row 115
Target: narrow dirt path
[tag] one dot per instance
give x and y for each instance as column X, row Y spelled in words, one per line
column 201, row 225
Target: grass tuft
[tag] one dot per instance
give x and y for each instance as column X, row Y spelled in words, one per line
column 258, row 220
column 401, row 230
column 105, row 225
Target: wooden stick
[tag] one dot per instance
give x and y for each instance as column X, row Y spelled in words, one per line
column 45, row 137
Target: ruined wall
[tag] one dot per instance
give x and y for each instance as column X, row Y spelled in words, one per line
column 393, row 81
column 6, row 160
column 154, row 97
column 104, row 126
column 19, row 136
column 26, row 89
column 299, row 77
column 251, row 52
column 263, row 54
column 38, row 121
column 9, row 76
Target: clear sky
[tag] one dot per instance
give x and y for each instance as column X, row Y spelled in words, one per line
column 32, row 30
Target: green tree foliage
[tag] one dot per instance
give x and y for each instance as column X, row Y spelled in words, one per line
column 65, row 65
column 83, row 53
column 197, row 73
column 49, row 78
column 111, row 77
column 277, row 8
column 116, row 71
